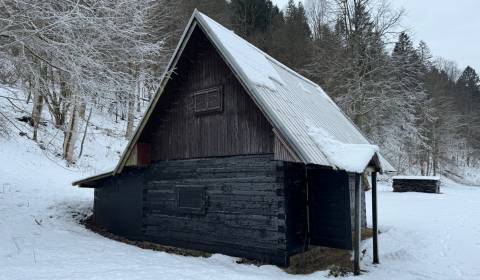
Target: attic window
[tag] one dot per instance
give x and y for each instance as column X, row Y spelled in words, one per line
column 191, row 199
column 208, row 100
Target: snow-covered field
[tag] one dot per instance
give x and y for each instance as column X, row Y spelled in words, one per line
column 425, row 236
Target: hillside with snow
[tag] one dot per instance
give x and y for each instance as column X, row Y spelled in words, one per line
column 424, row 236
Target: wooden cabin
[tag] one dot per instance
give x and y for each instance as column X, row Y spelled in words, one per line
column 226, row 158
column 426, row 184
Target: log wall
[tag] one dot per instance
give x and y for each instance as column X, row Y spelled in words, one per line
column 245, row 211
column 416, row 185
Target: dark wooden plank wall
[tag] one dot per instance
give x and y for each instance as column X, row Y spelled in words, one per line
column 245, row 215
column 416, row 185
column 296, row 207
column 118, row 204
column 176, row 132
column 329, row 201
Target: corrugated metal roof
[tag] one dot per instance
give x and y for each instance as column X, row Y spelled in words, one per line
column 293, row 103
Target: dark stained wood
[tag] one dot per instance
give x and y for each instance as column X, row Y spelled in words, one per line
column 416, row 185
column 329, row 200
column 117, row 204
column 140, row 155
column 358, row 226
column 244, row 214
column 296, row 207
column 143, row 154
column 177, row 132
column 375, row 218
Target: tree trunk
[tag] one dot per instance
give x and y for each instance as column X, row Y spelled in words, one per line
column 82, row 108
column 85, row 133
column 131, row 115
column 38, row 100
column 70, row 137
column 36, row 112
column 139, row 89
column 64, row 102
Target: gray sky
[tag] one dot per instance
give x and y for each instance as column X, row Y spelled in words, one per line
column 450, row 28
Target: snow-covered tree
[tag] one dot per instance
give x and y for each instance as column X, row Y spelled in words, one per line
column 70, row 53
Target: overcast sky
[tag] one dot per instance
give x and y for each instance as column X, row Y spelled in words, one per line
column 450, row 28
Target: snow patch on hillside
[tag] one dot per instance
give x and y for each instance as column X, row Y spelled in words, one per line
column 104, row 141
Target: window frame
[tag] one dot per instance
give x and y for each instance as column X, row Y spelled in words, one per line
column 208, row 110
column 191, row 210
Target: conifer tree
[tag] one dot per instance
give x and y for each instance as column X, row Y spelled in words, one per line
column 468, row 87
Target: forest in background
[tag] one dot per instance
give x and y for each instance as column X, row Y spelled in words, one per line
column 74, row 57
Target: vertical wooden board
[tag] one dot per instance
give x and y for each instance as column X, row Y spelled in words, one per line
column 143, row 153
column 330, row 220
column 375, row 218
column 282, row 152
column 295, row 206
column 351, row 178
column 118, row 204
column 132, row 158
column 177, row 132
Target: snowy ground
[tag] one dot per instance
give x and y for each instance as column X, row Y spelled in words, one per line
column 425, row 236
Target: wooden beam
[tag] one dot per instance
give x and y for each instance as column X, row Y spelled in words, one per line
column 375, row 218
column 358, row 225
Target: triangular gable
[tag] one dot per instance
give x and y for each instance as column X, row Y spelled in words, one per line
column 200, row 20
column 291, row 103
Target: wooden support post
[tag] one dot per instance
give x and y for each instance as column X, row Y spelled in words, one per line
column 375, row 218
column 358, row 225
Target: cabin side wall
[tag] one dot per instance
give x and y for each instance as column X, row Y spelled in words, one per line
column 296, row 207
column 118, row 204
column 243, row 213
column 329, row 201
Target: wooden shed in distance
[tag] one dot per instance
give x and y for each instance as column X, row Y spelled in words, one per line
column 238, row 154
column 426, row 184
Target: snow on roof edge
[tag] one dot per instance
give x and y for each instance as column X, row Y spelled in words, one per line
column 414, row 177
column 93, row 178
column 349, row 157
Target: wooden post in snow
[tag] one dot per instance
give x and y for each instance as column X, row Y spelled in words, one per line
column 375, row 218
column 358, row 225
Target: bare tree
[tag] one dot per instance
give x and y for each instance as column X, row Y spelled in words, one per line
column 71, row 52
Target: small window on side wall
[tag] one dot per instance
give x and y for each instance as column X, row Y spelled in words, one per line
column 208, row 100
column 191, row 199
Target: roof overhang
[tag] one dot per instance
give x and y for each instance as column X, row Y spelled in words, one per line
column 92, row 181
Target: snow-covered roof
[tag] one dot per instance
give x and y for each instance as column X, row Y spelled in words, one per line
column 403, row 177
column 312, row 125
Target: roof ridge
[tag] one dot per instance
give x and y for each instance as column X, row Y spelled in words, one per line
column 267, row 56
